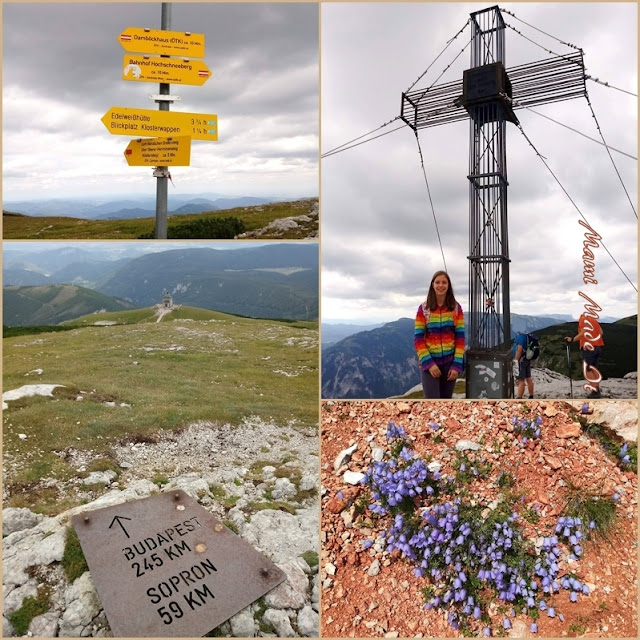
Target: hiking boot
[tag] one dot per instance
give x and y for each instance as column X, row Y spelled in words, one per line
column 594, row 394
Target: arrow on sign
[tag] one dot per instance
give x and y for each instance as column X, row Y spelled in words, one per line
column 117, row 519
column 149, row 123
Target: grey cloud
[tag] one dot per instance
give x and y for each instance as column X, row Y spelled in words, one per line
column 65, row 58
column 376, row 191
column 76, row 44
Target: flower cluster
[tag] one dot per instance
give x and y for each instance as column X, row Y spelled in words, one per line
column 571, row 529
column 394, row 431
column 568, row 529
column 623, row 455
column 395, row 483
column 465, row 556
column 462, row 552
column 529, row 429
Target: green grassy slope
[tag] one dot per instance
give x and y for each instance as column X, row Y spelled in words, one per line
column 52, row 304
column 164, row 375
column 40, row 228
column 149, row 314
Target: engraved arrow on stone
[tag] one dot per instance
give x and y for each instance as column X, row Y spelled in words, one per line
column 118, row 519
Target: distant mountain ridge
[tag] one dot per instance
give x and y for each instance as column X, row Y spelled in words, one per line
column 371, row 364
column 53, row 304
column 258, row 282
column 334, row 332
column 198, row 206
column 277, row 281
column 46, row 262
column 381, row 363
column 137, row 207
column 60, row 265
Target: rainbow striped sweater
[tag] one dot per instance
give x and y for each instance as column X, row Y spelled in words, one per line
column 439, row 337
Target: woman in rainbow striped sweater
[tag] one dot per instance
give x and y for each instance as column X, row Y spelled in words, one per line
column 439, row 338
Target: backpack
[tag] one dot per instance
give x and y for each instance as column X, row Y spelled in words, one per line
column 533, row 347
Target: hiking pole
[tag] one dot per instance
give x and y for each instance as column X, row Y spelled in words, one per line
column 569, row 365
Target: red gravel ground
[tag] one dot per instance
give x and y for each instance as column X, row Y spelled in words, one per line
column 389, row 604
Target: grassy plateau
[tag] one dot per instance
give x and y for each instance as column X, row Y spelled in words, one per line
column 131, row 379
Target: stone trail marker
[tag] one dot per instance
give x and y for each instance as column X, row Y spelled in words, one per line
column 165, row 567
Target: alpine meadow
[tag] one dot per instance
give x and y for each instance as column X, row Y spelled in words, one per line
column 136, row 369
column 93, row 382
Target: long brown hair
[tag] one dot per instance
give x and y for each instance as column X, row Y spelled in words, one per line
column 449, row 299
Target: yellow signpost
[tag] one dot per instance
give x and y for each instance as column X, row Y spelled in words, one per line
column 154, row 152
column 168, row 70
column 147, row 122
column 169, row 43
column 168, row 133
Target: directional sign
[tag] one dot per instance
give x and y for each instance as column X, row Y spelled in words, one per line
column 149, row 123
column 170, row 43
column 167, row 70
column 165, row 567
column 159, row 152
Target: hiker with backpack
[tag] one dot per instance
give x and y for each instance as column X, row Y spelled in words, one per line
column 526, row 349
column 591, row 343
column 439, row 338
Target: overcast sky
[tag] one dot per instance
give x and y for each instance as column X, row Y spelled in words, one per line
column 62, row 67
column 379, row 246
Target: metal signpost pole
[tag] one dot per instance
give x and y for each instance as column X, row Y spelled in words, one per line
column 162, row 172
